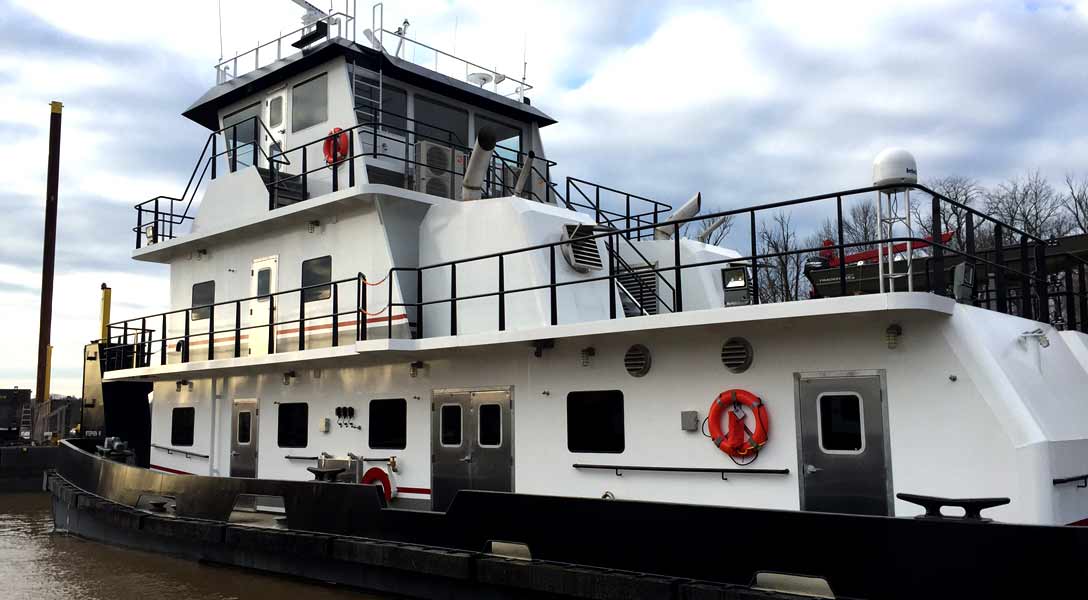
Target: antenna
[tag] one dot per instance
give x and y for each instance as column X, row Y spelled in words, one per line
column 219, row 3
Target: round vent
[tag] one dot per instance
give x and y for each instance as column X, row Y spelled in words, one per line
column 737, row 354
column 438, row 159
column 637, row 360
column 438, row 187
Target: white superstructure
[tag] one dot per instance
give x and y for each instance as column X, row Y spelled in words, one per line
column 555, row 339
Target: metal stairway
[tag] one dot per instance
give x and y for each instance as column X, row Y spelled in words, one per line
column 283, row 190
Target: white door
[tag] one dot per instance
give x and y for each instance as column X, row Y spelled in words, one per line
column 263, row 279
column 273, row 135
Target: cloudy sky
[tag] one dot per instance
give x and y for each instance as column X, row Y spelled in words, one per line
column 747, row 102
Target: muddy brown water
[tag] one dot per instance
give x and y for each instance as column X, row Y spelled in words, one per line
column 38, row 564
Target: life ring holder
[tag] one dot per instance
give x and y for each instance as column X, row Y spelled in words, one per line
column 376, row 475
column 738, row 441
column 342, row 143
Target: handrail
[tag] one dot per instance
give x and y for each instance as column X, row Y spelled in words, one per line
column 723, row 471
column 1083, row 479
column 222, row 74
column 296, row 457
column 187, row 453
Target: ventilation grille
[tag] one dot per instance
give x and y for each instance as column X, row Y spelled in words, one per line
column 637, row 360
column 737, row 354
column 641, row 296
column 582, row 254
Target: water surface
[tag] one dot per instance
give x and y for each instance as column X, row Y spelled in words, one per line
column 38, row 564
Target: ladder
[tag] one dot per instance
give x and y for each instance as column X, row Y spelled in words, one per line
column 26, row 422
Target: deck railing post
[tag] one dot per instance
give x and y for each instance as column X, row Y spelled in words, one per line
column 351, row 158
column 139, row 226
column 970, row 242
column 1025, row 279
column 214, row 152
column 271, row 323
column 999, row 269
column 360, row 307
column 938, row 287
column 141, row 354
column 502, row 294
column 611, row 277
column 389, row 305
column 1070, row 306
column 678, row 301
column 842, row 249
column 1041, row 282
column 233, row 148
column 335, row 164
column 211, row 332
column 553, row 300
column 237, row 328
column 755, row 265
column 158, row 219
column 304, row 173
column 185, row 338
column 1082, row 279
column 335, row 315
column 453, row 298
column 302, row 318
column 162, row 342
column 419, row 302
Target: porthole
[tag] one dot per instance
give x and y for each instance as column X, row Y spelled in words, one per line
column 637, row 360
column 737, row 354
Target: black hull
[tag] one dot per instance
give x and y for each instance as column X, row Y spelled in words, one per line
column 580, row 547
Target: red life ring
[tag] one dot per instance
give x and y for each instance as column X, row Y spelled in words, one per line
column 738, row 441
column 342, row 143
column 378, row 476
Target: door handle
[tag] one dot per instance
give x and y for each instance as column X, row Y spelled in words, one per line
column 810, row 469
column 466, row 459
column 235, row 453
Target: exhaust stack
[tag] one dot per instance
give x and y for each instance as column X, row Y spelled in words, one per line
column 476, row 169
column 523, row 177
column 688, row 210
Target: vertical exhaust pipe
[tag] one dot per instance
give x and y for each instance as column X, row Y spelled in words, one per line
column 473, row 182
column 49, row 253
column 104, row 313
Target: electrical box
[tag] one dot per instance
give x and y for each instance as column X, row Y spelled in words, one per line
column 323, row 425
column 689, row 420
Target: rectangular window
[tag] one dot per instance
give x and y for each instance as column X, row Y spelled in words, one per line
column 275, row 111
column 203, row 295
column 595, row 421
column 394, row 104
column 181, row 426
column 507, row 137
column 489, row 425
column 292, row 427
column 451, row 424
column 310, row 103
column 439, row 122
column 241, row 127
column 245, row 423
column 388, row 423
column 841, row 423
column 314, row 272
column 264, row 282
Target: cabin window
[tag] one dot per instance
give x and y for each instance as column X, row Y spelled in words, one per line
column 316, row 271
column 203, row 295
column 842, row 423
column 489, row 425
column 292, row 426
column 310, row 103
column 245, row 426
column 181, row 426
column 393, row 104
column 264, row 282
column 595, row 421
column 438, row 122
column 451, row 424
column 275, row 111
column 507, row 137
column 388, row 423
column 245, row 133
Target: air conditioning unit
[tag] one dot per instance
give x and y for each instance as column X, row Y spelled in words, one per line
column 434, row 163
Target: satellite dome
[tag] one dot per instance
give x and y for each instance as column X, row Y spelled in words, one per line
column 894, row 165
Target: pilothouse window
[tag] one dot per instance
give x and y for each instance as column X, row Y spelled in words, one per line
column 315, row 272
column 241, row 127
column 310, row 103
column 440, row 122
column 595, row 421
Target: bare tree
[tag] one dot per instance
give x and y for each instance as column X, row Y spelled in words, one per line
column 780, row 276
column 1030, row 203
column 964, row 191
column 861, row 225
column 1076, row 201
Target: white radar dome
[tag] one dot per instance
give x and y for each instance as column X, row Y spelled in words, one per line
column 894, row 165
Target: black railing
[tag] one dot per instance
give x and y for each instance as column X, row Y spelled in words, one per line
column 1043, row 291
column 149, row 340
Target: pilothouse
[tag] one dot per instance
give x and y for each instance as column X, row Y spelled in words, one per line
column 376, row 278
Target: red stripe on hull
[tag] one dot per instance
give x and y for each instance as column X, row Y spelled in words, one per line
column 412, row 490
column 169, row 470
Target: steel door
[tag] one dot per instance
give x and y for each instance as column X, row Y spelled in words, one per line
column 843, row 443
column 263, row 279
column 243, row 439
column 472, row 443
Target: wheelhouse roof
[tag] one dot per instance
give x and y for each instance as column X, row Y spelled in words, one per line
column 205, row 111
